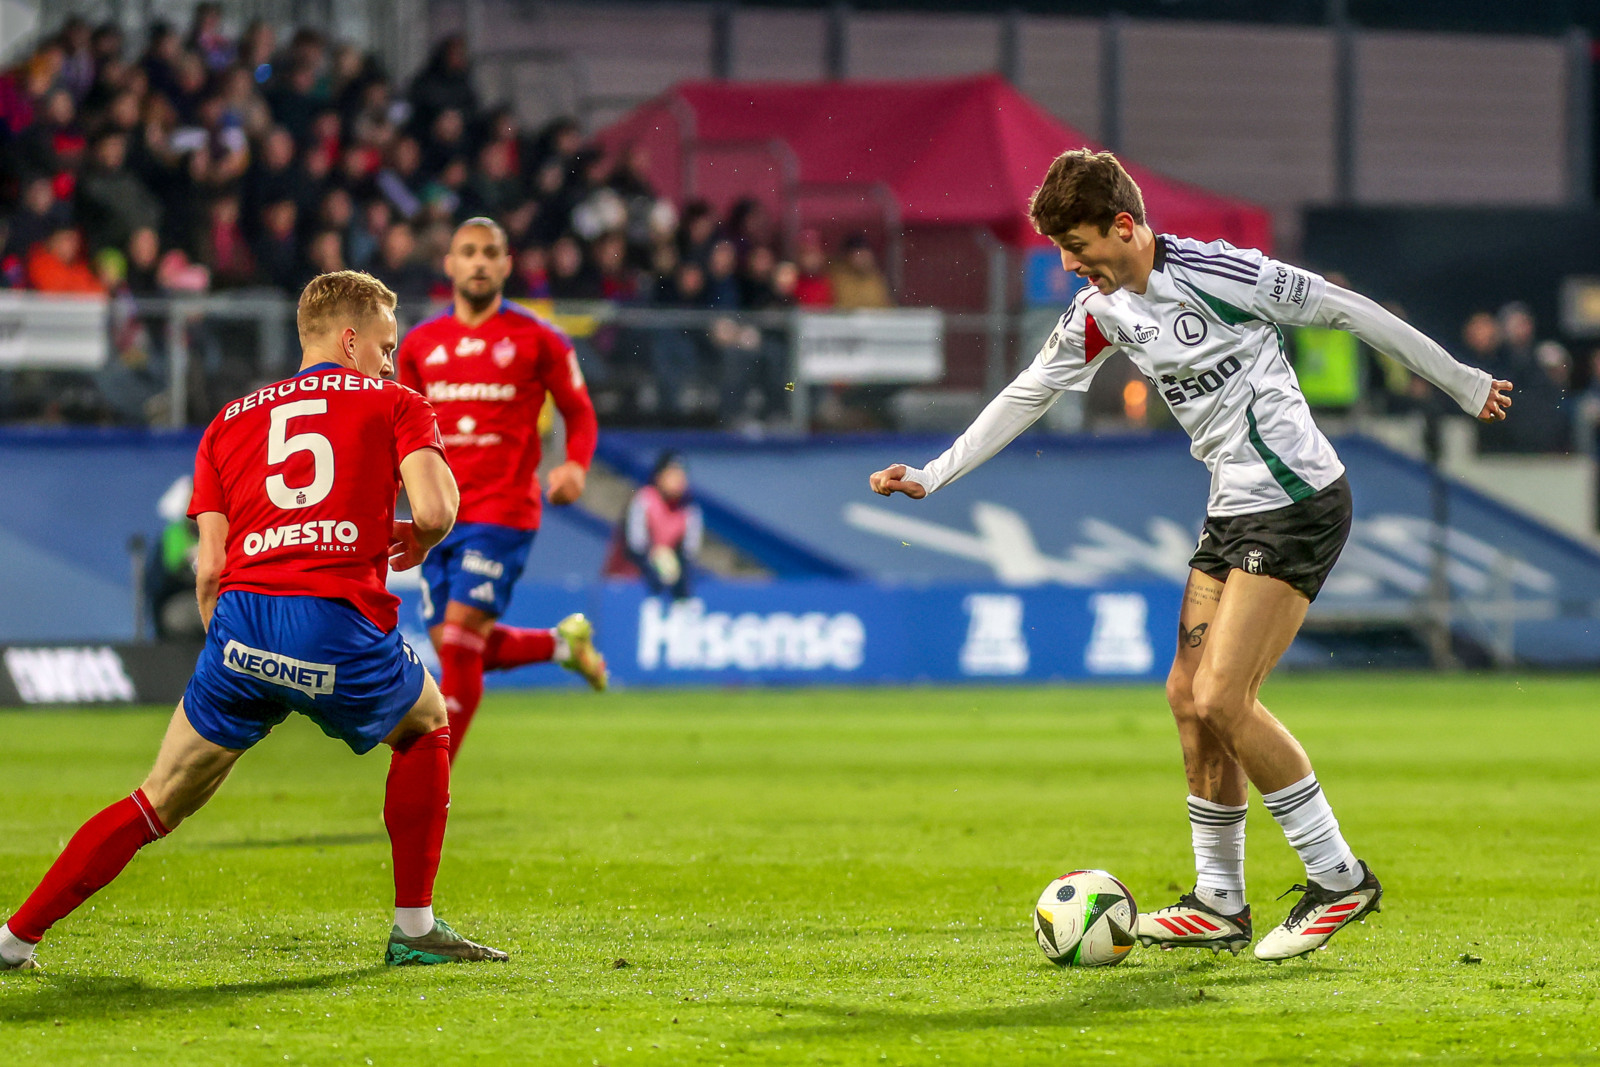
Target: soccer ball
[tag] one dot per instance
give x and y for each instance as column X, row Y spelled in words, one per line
column 1085, row 919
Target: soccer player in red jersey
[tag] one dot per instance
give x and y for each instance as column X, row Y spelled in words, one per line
column 294, row 493
column 486, row 365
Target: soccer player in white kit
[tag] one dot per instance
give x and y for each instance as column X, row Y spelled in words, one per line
column 1201, row 321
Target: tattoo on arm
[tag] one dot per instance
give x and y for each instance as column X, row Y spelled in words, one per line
column 1192, row 638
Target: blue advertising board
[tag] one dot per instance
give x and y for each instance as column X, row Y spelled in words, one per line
column 843, row 632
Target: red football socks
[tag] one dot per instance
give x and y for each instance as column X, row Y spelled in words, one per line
column 415, row 807
column 95, row 855
column 460, row 679
column 509, row 647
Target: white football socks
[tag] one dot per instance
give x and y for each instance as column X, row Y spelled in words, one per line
column 12, row 948
column 1308, row 823
column 562, row 651
column 1218, row 831
column 414, row 922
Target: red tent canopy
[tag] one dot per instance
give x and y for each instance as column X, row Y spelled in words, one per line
column 958, row 152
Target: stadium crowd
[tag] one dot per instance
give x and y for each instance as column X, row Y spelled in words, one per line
column 202, row 163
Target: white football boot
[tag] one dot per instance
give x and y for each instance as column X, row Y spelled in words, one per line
column 1319, row 915
column 29, row 964
column 1190, row 924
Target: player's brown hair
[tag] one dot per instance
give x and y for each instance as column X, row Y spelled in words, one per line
column 340, row 297
column 487, row 223
column 1083, row 186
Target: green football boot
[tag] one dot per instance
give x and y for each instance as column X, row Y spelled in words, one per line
column 439, row 945
column 582, row 656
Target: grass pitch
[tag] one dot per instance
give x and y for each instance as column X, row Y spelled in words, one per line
column 822, row 877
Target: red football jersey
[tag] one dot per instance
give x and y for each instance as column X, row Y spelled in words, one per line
column 306, row 472
column 488, row 384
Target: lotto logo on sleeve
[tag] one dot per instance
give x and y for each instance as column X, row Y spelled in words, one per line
column 312, row 679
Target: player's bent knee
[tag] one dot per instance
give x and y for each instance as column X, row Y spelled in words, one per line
column 1217, row 703
column 1180, row 693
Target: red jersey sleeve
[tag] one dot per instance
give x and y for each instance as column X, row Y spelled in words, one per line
column 558, row 368
column 415, row 426
column 207, row 495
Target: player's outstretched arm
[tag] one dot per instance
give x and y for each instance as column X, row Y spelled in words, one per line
column 208, row 563
column 434, row 497
column 1479, row 395
column 1018, row 406
column 565, row 381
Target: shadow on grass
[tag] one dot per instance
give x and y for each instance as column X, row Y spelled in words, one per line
column 1112, row 1001
column 102, row 997
column 308, row 841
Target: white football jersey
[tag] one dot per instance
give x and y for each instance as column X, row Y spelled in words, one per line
column 1205, row 333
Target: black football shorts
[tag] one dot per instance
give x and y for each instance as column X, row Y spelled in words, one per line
column 1297, row 544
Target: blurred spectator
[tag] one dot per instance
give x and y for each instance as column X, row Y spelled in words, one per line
column 530, row 277
column 21, row 86
column 663, row 529
column 77, row 61
column 144, row 254
column 53, row 144
column 39, row 215
column 812, row 286
column 675, row 353
column 572, row 276
column 495, row 188
column 398, row 268
column 326, row 252
column 856, row 280
column 294, row 106
column 274, row 177
column 618, row 283
column 366, row 232
column 1480, row 340
column 112, row 201
column 722, row 279
column 1515, row 359
column 400, row 180
column 206, row 37
column 226, row 251
column 57, row 265
column 277, row 253
column 444, row 84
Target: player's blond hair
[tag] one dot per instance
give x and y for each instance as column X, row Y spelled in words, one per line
column 338, row 298
column 1083, row 186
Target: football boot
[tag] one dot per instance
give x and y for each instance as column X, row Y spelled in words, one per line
column 1320, row 914
column 439, row 945
column 582, row 656
column 1190, row 924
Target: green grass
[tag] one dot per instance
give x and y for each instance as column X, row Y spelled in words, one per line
column 822, row 877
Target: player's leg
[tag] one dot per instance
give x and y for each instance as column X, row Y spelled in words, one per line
column 1256, row 619
column 187, row 771
column 460, row 641
column 415, row 810
column 1214, row 915
column 570, row 643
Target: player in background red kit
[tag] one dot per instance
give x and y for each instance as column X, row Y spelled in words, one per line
column 294, row 494
column 486, row 364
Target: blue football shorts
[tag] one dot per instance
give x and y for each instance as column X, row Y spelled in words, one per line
column 476, row 565
column 266, row 656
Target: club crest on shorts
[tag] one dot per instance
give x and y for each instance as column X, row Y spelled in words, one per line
column 1253, row 560
column 504, row 351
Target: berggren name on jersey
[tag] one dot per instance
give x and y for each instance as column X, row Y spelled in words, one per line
column 327, row 535
column 327, row 383
column 309, row 678
column 472, row 391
